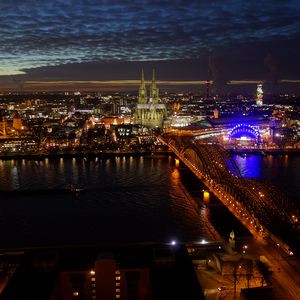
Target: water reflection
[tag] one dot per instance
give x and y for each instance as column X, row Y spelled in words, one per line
column 15, row 179
column 125, row 199
column 250, row 166
column 175, row 176
column 286, row 161
column 283, row 171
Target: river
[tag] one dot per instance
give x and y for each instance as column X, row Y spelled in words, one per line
column 126, row 199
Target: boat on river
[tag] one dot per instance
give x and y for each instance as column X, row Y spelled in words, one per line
column 75, row 188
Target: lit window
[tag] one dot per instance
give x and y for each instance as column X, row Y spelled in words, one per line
column 93, row 279
column 118, row 277
column 118, row 283
column 118, row 272
column 118, row 296
column 117, row 290
column 75, row 294
column 92, row 272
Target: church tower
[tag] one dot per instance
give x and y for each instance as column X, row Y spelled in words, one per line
column 150, row 113
column 142, row 91
column 154, row 90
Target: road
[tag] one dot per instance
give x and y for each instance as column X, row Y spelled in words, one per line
column 285, row 278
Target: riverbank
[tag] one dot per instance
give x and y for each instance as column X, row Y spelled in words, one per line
column 264, row 151
column 83, row 154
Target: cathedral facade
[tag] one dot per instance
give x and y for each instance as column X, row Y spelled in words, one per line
column 149, row 112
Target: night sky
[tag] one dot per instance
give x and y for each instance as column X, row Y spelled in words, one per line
column 65, row 40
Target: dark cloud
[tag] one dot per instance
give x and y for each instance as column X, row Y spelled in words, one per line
column 43, row 34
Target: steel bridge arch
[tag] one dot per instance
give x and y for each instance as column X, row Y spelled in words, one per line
column 193, row 154
column 187, row 148
column 206, row 157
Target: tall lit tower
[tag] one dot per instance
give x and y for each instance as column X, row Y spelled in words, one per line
column 259, row 95
column 142, row 91
column 154, row 90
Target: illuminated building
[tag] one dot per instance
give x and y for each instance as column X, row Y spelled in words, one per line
column 17, row 123
column 108, row 121
column 18, row 145
column 244, row 135
column 8, row 129
column 149, row 112
column 216, row 114
column 259, row 95
column 3, row 127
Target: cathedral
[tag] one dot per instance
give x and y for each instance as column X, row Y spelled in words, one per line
column 149, row 112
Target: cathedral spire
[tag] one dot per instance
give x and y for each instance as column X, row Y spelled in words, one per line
column 142, row 91
column 143, row 79
column 153, row 76
column 154, row 90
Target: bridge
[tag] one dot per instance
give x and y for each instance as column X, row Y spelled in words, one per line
column 260, row 207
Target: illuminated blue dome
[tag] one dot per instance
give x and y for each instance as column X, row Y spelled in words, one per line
column 244, row 130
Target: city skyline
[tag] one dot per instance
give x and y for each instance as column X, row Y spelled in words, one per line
column 71, row 41
column 160, row 138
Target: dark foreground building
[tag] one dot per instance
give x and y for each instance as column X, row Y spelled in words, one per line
column 145, row 272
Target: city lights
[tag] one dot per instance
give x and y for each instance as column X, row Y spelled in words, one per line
column 149, row 149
